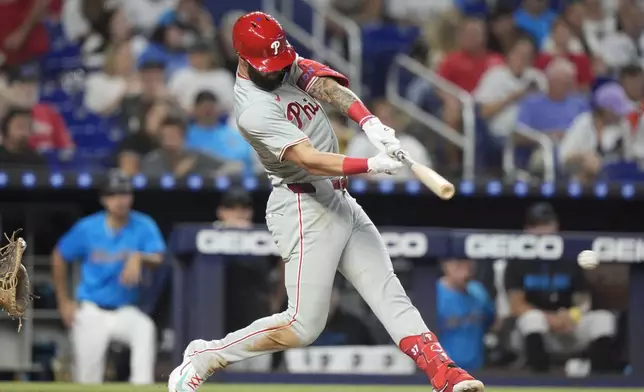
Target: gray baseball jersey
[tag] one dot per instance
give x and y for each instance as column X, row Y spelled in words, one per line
column 273, row 121
column 316, row 233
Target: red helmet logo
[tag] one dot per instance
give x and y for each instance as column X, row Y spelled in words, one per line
column 261, row 41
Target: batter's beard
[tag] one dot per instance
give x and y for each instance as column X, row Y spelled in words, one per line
column 267, row 82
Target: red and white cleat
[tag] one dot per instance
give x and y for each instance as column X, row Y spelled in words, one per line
column 443, row 373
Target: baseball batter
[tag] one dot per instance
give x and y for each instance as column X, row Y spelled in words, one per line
column 317, row 226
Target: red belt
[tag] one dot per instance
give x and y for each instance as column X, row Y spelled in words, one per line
column 307, row 187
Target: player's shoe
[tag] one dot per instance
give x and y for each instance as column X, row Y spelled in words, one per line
column 443, row 373
column 186, row 377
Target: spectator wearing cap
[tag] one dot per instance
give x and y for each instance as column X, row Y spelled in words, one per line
column 49, row 132
column 535, row 17
column 22, row 33
column 113, row 247
column 254, row 284
column 599, row 136
column 562, row 44
column 465, row 313
column 151, row 75
column 173, row 157
column 209, row 134
column 106, row 90
column 552, row 305
column 167, row 45
column 203, row 73
column 15, row 151
column 553, row 111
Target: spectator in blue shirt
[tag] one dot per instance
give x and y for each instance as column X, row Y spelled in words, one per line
column 167, row 46
column 553, row 111
column 210, row 135
column 112, row 247
column 465, row 312
column 535, row 17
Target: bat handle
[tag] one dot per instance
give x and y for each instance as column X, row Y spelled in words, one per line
column 403, row 157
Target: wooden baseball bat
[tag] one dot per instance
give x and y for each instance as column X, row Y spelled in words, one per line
column 432, row 180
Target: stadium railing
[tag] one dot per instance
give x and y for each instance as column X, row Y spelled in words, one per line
column 545, row 144
column 465, row 140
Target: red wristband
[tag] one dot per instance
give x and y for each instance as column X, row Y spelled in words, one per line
column 352, row 166
column 359, row 113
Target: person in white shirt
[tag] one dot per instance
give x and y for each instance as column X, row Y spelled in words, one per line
column 144, row 14
column 501, row 87
column 626, row 46
column 104, row 91
column 202, row 74
column 111, row 26
column 598, row 136
column 597, row 24
column 359, row 146
column 417, row 10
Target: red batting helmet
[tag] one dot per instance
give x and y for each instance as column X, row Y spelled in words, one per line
column 261, row 40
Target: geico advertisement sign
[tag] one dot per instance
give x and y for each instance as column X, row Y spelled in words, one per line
column 233, row 242
column 260, row 243
column 624, row 250
column 514, row 246
column 405, row 244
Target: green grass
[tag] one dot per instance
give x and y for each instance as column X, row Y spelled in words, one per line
column 56, row 387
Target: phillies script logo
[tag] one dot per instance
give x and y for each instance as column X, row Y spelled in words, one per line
column 295, row 111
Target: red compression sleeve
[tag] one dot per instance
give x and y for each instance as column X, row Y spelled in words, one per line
column 351, row 166
column 359, row 113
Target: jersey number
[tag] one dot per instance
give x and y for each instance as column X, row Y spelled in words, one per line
column 275, row 46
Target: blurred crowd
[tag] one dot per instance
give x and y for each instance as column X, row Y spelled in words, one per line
column 156, row 79
column 569, row 70
column 158, row 72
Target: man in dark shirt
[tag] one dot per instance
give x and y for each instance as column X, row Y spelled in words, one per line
column 343, row 328
column 552, row 304
column 134, row 107
column 174, row 158
column 248, row 278
column 15, row 151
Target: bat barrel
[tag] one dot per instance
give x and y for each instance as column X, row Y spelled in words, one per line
column 432, row 180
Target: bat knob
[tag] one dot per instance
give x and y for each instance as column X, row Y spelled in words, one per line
column 400, row 154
